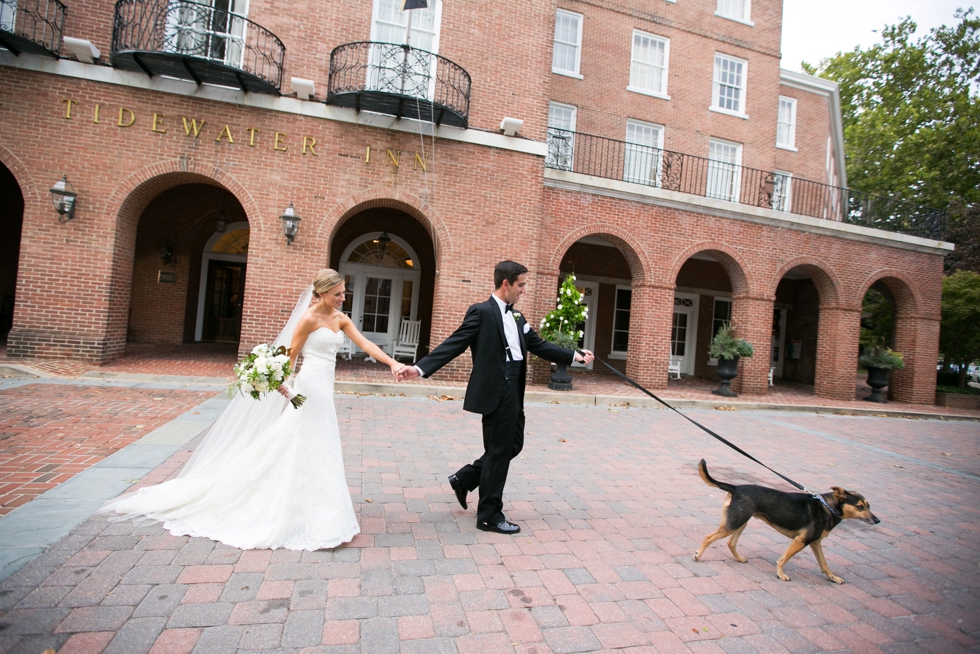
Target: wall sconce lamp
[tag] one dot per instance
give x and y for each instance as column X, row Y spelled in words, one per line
column 220, row 223
column 511, row 126
column 290, row 223
column 167, row 252
column 64, row 199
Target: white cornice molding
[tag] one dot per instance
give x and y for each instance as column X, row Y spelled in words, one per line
column 831, row 90
column 561, row 179
column 281, row 104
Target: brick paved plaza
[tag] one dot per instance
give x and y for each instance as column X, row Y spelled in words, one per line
column 612, row 509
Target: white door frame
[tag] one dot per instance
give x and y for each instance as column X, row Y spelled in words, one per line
column 592, row 303
column 206, row 258
column 690, row 342
column 779, row 341
column 360, row 272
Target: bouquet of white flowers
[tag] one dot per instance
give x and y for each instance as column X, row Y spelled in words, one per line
column 263, row 371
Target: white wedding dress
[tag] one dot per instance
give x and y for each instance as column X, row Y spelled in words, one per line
column 273, row 485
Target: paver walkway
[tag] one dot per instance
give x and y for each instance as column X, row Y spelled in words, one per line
column 612, row 509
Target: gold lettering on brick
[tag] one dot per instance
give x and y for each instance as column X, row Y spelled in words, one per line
column 225, row 132
column 309, row 140
column 393, row 158
column 251, row 135
column 132, row 117
column 192, row 127
column 420, row 161
column 95, row 116
column 68, row 104
column 279, row 137
column 367, row 155
column 156, row 123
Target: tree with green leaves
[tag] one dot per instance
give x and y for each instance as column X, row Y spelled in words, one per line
column 959, row 332
column 911, row 114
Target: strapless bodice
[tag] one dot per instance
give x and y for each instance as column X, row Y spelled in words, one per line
column 323, row 343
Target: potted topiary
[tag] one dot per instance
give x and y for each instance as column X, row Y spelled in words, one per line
column 878, row 361
column 560, row 327
column 728, row 349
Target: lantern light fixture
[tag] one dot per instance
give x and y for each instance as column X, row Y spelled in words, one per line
column 290, row 223
column 167, row 252
column 220, row 223
column 64, row 197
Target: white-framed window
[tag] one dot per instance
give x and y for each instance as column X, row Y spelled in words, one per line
column 561, row 135
column 728, row 85
column 722, row 315
column 567, row 54
column 390, row 24
column 8, row 16
column 724, row 170
column 648, row 64
column 782, row 191
column 740, row 10
column 621, row 322
column 786, row 124
column 644, row 153
column 211, row 29
column 418, row 28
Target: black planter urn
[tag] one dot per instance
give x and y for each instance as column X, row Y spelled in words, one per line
column 727, row 370
column 877, row 380
column 560, row 379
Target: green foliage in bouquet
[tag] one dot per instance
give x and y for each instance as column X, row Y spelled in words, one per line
column 726, row 345
column 882, row 357
column 561, row 325
column 263, row 371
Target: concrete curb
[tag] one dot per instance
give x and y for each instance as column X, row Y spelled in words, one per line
column 17, row 370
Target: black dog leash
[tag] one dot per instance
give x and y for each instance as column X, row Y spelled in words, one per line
column 817, row 496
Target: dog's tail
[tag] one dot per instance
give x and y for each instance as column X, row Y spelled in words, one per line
column 709, row 480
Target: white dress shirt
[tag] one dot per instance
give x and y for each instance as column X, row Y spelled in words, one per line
column 510, row 331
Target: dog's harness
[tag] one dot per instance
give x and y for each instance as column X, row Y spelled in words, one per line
column 817, row 496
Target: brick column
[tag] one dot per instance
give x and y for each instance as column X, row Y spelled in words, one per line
column 917, row 338
column 752, row 318
column 648, row 355
column 837, row 351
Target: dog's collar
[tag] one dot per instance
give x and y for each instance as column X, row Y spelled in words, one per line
column 820, row 498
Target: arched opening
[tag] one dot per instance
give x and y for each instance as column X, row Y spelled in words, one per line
column 11, row 225
column 793, row 354
column 189, row 267
column 388, row 262
column 703, row 302
column 604, row 276
column 887, row 320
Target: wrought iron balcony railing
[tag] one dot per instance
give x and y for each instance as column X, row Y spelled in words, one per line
column 399, row 80
column 685, row 173
column 194, row 41
column 32, row 26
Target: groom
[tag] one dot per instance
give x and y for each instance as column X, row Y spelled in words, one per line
column 500, row 339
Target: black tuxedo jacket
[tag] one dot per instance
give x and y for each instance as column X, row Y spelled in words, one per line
column 483, row 332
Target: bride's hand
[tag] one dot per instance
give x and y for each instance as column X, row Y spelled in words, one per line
column 396, row 369
column 284, row 390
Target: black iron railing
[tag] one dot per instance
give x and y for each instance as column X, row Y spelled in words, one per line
column 149, row 33
column 33, row 26
column 400, row 80
column 674, row 171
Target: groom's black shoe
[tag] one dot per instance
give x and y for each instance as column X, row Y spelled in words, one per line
column 502, row 527
column 458, row 488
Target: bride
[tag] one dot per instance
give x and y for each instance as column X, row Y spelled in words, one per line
column 267, row 476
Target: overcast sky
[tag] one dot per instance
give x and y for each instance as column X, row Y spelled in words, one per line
column 815, row 30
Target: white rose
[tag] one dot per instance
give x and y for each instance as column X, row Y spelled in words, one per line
column 262, row 387
column 257, row 349
column 247, row 388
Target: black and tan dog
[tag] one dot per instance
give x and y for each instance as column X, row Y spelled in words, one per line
column 795, row 515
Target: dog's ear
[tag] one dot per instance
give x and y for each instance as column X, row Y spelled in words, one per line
column 839, row 493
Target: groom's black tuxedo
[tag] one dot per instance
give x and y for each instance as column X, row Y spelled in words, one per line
column 495, row 390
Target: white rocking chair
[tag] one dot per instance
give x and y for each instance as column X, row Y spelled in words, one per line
column 407, row 344
column 346, row 350
column 772, row 371
column 674, row 368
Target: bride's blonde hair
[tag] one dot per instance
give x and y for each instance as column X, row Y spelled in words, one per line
column 325, row 280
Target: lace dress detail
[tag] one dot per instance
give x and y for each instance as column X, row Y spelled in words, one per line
column 287, row 488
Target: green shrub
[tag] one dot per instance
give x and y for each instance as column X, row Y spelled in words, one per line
column 725, row 345
column 882, row 357
column 956, row 390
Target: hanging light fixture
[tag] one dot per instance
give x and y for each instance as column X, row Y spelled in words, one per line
column 384, row 240
column 64, row 199
column 290, row 223
column 167, row 252
column 220, row 223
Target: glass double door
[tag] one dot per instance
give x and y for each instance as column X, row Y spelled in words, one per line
column 683, row 331
column 223, row 302
column 378, row 299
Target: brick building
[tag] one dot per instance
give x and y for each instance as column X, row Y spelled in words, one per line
column 663, row 156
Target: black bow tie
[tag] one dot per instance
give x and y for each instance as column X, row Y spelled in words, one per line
column 509, row 307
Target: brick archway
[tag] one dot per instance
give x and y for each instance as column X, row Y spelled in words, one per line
column 412, row 205
column 823, row 276
column 907, row 300
column 25, row 180
column 729, row 258
column 628, row 246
